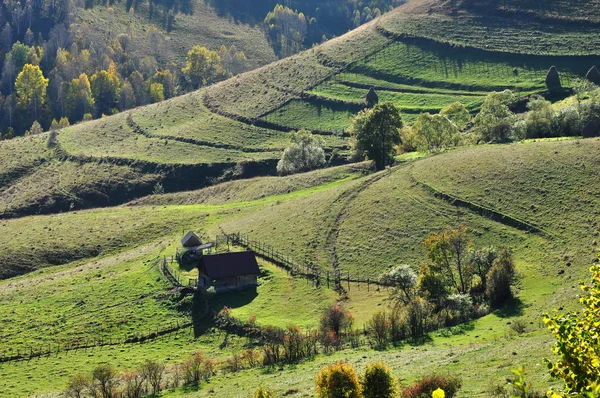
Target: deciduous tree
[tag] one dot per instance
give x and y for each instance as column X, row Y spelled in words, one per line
column 375, row 133
column 30, row 87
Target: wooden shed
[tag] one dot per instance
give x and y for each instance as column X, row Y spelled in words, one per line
column 193, row 248
column 228, row 272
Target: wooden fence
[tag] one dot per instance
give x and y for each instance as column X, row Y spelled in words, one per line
column 47, row 349
column 334, row 279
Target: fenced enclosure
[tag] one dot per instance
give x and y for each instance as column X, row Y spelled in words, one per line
column 332, row 279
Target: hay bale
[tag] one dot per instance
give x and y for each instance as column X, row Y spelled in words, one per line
column 372, row 97
column 591, row 130
column 593, row 76
column 553, row 80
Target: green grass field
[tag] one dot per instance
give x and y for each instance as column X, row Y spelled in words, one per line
column 87, row 271
column 370, row 222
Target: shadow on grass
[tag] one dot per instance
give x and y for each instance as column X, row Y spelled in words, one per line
column 513, row 308
column 234, row 299
column 456, row 330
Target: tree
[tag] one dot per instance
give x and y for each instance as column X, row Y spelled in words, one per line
column 338, row 381
column 105, row 380
column 202, row 66
column 30, row 87
column 336, row 319
column 494, row 118
column 500, row 279
column 448, row 253
column 153, row 372
column 375, row 133
column 79, row 99
column 304, row 153
column 482, row 261
column 379, row 329
column 378, row 382
column 404, row 281
column 105, row 87
column 157, row 92
column 539, row 118
column 36, row 128
column 577, row 335
column 458, row 114
column 76, row 386
column 286, row 30
column 434, row 132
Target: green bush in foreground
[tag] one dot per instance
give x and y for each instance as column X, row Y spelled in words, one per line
column 378, row 382
column 338, row 381
column 577, row 336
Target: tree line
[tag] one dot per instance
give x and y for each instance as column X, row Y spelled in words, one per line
column 55, row 74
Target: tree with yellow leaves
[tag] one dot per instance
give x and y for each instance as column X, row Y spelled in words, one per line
column 30, row 87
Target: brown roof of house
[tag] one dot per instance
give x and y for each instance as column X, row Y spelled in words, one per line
column 217, row 266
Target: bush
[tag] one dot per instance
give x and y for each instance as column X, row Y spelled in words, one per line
column 336, row 319
column 338, row 381
column 419, row 315
column 76, row 386
column 378, row 382
column 378, row 329
column 500, row 279
column 404, row 281
column 539, row 118
column 577, row 336
column 428, row 384
column 305, row 153
column 264, row 392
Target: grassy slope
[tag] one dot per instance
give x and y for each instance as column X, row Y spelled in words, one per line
column 258, row 188
column 384, row 217
column 203, row 27
column 484, row 28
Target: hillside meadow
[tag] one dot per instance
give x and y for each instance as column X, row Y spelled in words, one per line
column 322, row 213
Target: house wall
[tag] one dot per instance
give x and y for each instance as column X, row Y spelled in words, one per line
column 235, row 283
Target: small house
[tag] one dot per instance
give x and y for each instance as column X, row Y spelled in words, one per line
column 193, row 248
column 228, row 272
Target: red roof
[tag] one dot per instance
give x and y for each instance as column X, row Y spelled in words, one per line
column 225, row 265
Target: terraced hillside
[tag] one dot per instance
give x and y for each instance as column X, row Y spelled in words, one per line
column 110, row 296
column 422, row 56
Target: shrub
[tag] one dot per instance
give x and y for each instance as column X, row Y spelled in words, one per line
column 458, row 114
column 378, row 382
column 566, row 122
column 197, row 368
column 104, row 381
column 153, row 372
column 305, row 153
column 494, row 118
column 435, row 132
column 428, row 384
column 539, row 118
column 336, row 319
column 338, row 381
column 264, row 392
column 418, row 313
column 404, row 281
column 577, row 336
column 378, row 328
column 76, row 386
column 518, row 326
column 500, row 279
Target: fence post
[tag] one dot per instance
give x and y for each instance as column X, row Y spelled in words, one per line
column 348, row 280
